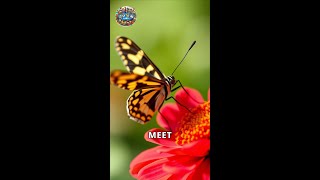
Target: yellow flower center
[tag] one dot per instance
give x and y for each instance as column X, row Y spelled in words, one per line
column 195, row 125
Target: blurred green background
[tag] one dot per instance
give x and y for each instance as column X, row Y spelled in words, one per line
column 164, row 29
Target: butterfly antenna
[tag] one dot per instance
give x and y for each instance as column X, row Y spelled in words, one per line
column 194, row 42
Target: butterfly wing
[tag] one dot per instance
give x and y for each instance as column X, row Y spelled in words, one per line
column 143, row 103
column 130, row 81
column 144, row 77
column 135, row 59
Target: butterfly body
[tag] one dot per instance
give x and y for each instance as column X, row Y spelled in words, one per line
column 150, row 86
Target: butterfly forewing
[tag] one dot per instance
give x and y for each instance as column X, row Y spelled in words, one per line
column 135, row 59
column 131, row 81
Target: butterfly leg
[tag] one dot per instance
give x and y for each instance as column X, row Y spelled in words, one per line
column 175, row 88
column 178, row 102
column 186, row 91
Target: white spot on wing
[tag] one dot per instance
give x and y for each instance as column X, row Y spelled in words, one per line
column 156, row 75
column 139, row 70
column 150, row 68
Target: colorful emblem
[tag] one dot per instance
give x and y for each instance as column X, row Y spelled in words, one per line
column 126, row 16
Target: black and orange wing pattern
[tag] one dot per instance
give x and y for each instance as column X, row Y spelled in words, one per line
column 148, row 83
column 135, row 59
column 131, row 81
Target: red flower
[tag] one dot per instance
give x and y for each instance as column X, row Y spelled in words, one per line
column 185, row 155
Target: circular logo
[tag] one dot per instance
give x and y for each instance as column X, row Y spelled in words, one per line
column 126, row 16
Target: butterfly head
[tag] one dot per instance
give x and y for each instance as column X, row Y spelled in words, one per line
column 171, row 80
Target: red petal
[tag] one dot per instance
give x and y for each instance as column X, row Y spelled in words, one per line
column 182, row 176
column 134, row 170
column 181, row 164
column 172, row 116
column 168, row 142
column 146, row 157
column 154, row 170
column 209, row 94
column 203, row 170
column 199, row 148
column 186, row 100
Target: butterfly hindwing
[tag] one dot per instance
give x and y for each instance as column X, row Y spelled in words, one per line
column 143, row 103
column 135, row 59
column 131, row 81
column 150, row 86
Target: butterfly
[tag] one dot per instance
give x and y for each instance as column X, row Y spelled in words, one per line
column 150, row 86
